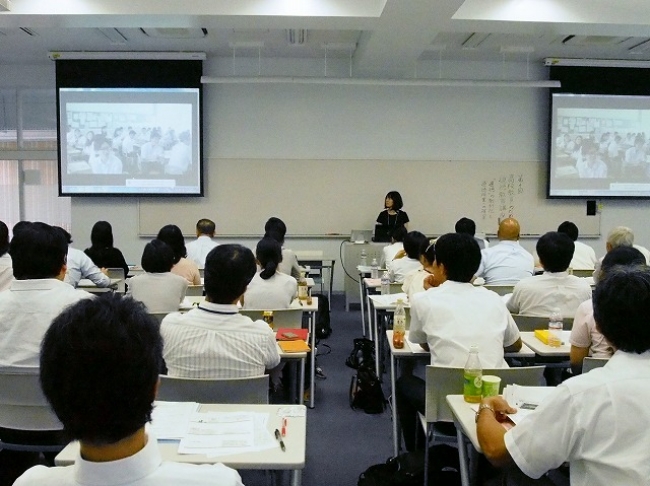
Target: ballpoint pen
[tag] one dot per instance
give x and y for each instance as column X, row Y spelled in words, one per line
column 279, row 439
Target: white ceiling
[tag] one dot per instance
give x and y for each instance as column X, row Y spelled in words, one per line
column 380, row 38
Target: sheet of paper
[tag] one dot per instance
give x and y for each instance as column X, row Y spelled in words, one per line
column 525, row 399
column 170, row 420
column 389, row 299
column 414, row 347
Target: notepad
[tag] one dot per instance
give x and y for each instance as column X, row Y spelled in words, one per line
column 287, row 334
column 297, row 346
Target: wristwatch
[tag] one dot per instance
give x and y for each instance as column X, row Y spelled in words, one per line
column 484, row 406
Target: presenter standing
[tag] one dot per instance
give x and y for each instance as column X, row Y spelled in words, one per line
column 391, row 218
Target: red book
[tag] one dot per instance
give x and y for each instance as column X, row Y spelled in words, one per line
column 287, row 334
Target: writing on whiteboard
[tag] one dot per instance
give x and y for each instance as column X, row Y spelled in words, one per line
column 500, row 195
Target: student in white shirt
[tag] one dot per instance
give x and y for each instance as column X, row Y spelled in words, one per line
column 397, row 244
column 276, row 229
column 270, row 288
column 399, row 267
column 103, row 394
column 198, row 249
column 584, row 256
column 414, row 280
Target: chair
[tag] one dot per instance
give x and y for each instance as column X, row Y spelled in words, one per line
column 530, row 323
column 282, row 318
column 194, row 290
column 23, row 408
column 590, row 363
column 500, row 289
column 583, row 273
column 442, row 381
column 254, row 389
column 117, row 274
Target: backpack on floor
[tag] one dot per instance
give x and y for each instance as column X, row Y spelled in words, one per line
column 362, row 355
column 365, row 391
column 323, row 327
column 408, row 469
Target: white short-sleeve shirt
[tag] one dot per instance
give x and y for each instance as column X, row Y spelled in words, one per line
column 505, row 263
column 584, row 333
column 276, row 292
column 198, row 250
column 159, row 292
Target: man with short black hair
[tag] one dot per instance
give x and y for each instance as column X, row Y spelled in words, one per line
column 468, row 227
column 449, row 318
column 198, row 249
column 36, row 295
column 555, row 288
column 595, row 421
column 584, row 256
column 214, row 340
column 102, row 391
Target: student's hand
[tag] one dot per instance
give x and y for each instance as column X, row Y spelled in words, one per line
column 104, row 271
column 399, row 254
column 430, row 282
column 500, row 407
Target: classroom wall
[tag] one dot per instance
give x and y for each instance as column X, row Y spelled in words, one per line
column 254, row 121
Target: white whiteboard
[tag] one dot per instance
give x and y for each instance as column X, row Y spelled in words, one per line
column 331, row 197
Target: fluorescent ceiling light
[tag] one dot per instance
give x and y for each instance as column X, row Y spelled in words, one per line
column 555, row 61
column 127, row 55
column 479, row 83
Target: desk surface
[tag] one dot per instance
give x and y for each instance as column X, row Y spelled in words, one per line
column 529, row 339
column 293, row 458
column 465, row 416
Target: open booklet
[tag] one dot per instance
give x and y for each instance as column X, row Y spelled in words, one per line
column 525, row 399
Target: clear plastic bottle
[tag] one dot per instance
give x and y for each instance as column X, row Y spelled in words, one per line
column 555, row 326
column 473, row 377
column 364, row 258
column 385, row 284
column 399, row 325
column 374, row 269
column 303, row 290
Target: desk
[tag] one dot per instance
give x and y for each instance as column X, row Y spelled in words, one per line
column 415, row 351
column 317, row 264
column 465, row 421
column 541, row 349
column 293, row 459
column 89, row 286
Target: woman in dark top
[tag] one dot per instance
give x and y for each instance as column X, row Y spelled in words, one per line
column 392, row 217
column 102, row 252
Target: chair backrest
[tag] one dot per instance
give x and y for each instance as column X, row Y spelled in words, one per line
column 589, row 363
column 500, row 289
column 530, row 323
column 23, row 405
column 282, row 318
column 117, row 273
column 194, row 290
column 442, row 381
column 396, row 288
column 583, row 273
column 202, row 272
column 254, row 389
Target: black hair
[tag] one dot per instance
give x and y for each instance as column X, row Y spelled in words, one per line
column 173, row 236
column 66, row 234
column 229, row 269
column 38, row 250
column 276, row 229
column 622, row 255
column 4, row 238
column 205, row 226
column 428, row 250
column 465, row 225
column 101, row 236
column 397, row 200
column 157, row 257
column 555, row 251
column 570, row 229
column 20, row 225
column 621, row 302
column 99, row 367
column 412, row 242
column 399, row 233
column 269, row 255
column 460, row 255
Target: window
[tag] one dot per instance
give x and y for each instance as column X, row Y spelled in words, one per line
column 28, row 168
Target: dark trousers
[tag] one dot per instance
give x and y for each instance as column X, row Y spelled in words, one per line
column 410, row 394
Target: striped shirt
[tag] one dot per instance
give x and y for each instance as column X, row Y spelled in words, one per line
column 215, row 341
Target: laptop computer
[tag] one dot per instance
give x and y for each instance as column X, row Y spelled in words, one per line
column 360, row 236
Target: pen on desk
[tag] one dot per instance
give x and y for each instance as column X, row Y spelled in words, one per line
column 279, row 439
column 284, row 427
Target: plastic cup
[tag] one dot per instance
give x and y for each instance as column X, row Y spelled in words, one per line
column 491, row 386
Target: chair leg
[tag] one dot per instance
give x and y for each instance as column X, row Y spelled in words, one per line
column 426, row 456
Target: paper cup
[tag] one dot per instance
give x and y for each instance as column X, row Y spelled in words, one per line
column 491, row 385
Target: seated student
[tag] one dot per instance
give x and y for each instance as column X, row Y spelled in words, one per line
column 414, row 280
column 36, row 296
column 555, row 288
column 103, row 394
column 400, row 266
column 158, row 289
column 79, row 265
column 102, row 252
column 198, row 249
column 172, row 235
column 6, row 271
column 269, row 289
column 586, row 339
column 468, row 226
column 276, row 229
column 449, row 318
column 214, row 340
column 595, row 421
column 584, row 256
column 396, row 245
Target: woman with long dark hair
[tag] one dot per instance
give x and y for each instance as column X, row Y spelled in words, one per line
column 101, row 251
column 270, row 288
